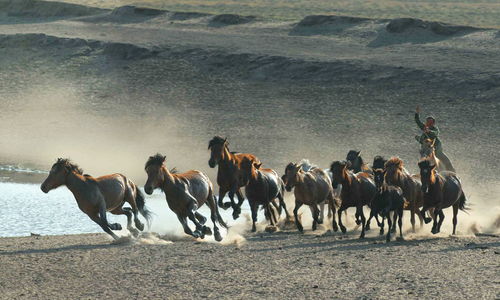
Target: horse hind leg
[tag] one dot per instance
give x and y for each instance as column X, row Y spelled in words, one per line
column 332, row 212
column 128, row 212
column 199, row 232
column 283, row 204
column 455, row 213
column 342, row 227
column 214, row 216
column 135, row 210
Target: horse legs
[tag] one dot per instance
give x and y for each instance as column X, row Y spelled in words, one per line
column 393, row 229
column 185, row 225
column 295, row 212
column 422, row 213
column 220, row 201
column 240, row 197
column 389, row 223
column 236, row 208
column 315, row 211
column 128, row 212
column 200, row 229
column 441, row 219
column 400, row 222
column 253, row 208
column 369, row 219
column 339, row 213
column 436, row 215
column 201, row 218
column 381, row 225
column 359, row 212
column 321, row 212
column 103, row 222
column 332, row 211
column 455, row 212
column 283, row 204
column 412, row 216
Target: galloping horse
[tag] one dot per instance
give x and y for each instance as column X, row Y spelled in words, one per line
column 185, row 193
column 311, row 188
column 441, row 190
column 396, row 174
column 96, row 196
column 356, row 162
column 262, row 187
column 388, row 198
column 358, row 190
column 229, row 172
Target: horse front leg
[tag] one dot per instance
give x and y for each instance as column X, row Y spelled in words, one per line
column 185, row 226
column 236, row 208
column 298, row 204
column 100, row 219
column 435, row 217
column 220, row 201
column 339, row 213
column 321, row 212
column 191, row 213
column 315, row 212
column 389, row 224
column 441, row 219
column 283, row 204
column 361, row 214
column 254, row 207
column 332, row 211
column 422, row 213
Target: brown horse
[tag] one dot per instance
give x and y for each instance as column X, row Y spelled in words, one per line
column 185, row 193
column 262, row 187
column 441, row 190
column 358, row 190
column 311, row 188
column 96, row 196
column 356, row 162
column 388, row 198
column 396, row 174
column 428, row 151
column 229, row 176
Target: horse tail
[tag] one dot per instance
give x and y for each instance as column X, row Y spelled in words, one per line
column 461, row 202
column 212, row 202
column 141, row 205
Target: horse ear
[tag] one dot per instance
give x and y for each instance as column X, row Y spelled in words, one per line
column 357, row 153
column 225, row 140
column 257, row 166
column 163, row 158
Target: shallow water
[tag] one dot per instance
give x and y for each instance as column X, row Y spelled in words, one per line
column 26, row 209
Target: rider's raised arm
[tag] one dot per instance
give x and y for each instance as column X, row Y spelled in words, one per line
column 419, row 123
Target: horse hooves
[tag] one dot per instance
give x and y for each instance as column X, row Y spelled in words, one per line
column 139, row 226
column 434, row 231
column 207, row 230
column 236, row 215
column 362, row 236
column 381, row 232
column 134, row 232
column 427, row 220
column 400, row 239
column 358, row 222
column 320, row 221
column 335, row 228
column 217, row 236
column 343, row 229
column 115, row 226
column 388, row 240
column 226, row 205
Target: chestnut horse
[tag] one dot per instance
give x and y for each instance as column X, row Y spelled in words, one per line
column 441, row 190
column 185, row 193
column 96, row 196
column 310, row 188
column 396, row 174
column 262, row 187
column 229, row 172
column 358, row 190
column 427, row 151
column 356, row 162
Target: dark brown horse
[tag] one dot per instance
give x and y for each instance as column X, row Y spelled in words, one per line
column 229, row 176
column 262, row 187
column 96, row 196
column 396, row 174
column 356, row 162
column 358, row 190
column 311, row 188
column 388, row 198
column 441, row 190
column 185, row 193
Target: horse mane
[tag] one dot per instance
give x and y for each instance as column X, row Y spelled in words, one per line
column 174, row 170
column 156, row 159
column 307, row 165
column 67, row 163
column 338, row 164
column 289, row 166
column 217, row 140
column 394, row 162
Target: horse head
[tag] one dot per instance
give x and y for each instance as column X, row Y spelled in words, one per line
column 58, row 173
column 339, row 172
column 290, row 178
column 427, row 174
column 154, row 168
column 216, row 146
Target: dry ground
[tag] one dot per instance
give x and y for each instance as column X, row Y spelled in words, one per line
column 282, row 265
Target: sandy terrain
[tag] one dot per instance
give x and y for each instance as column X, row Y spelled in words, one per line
column 109, row 87
column 282, row 265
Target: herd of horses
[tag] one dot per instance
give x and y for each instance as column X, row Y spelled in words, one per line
column 386, row 187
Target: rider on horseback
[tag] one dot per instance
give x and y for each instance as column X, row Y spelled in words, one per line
column 430, row 131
